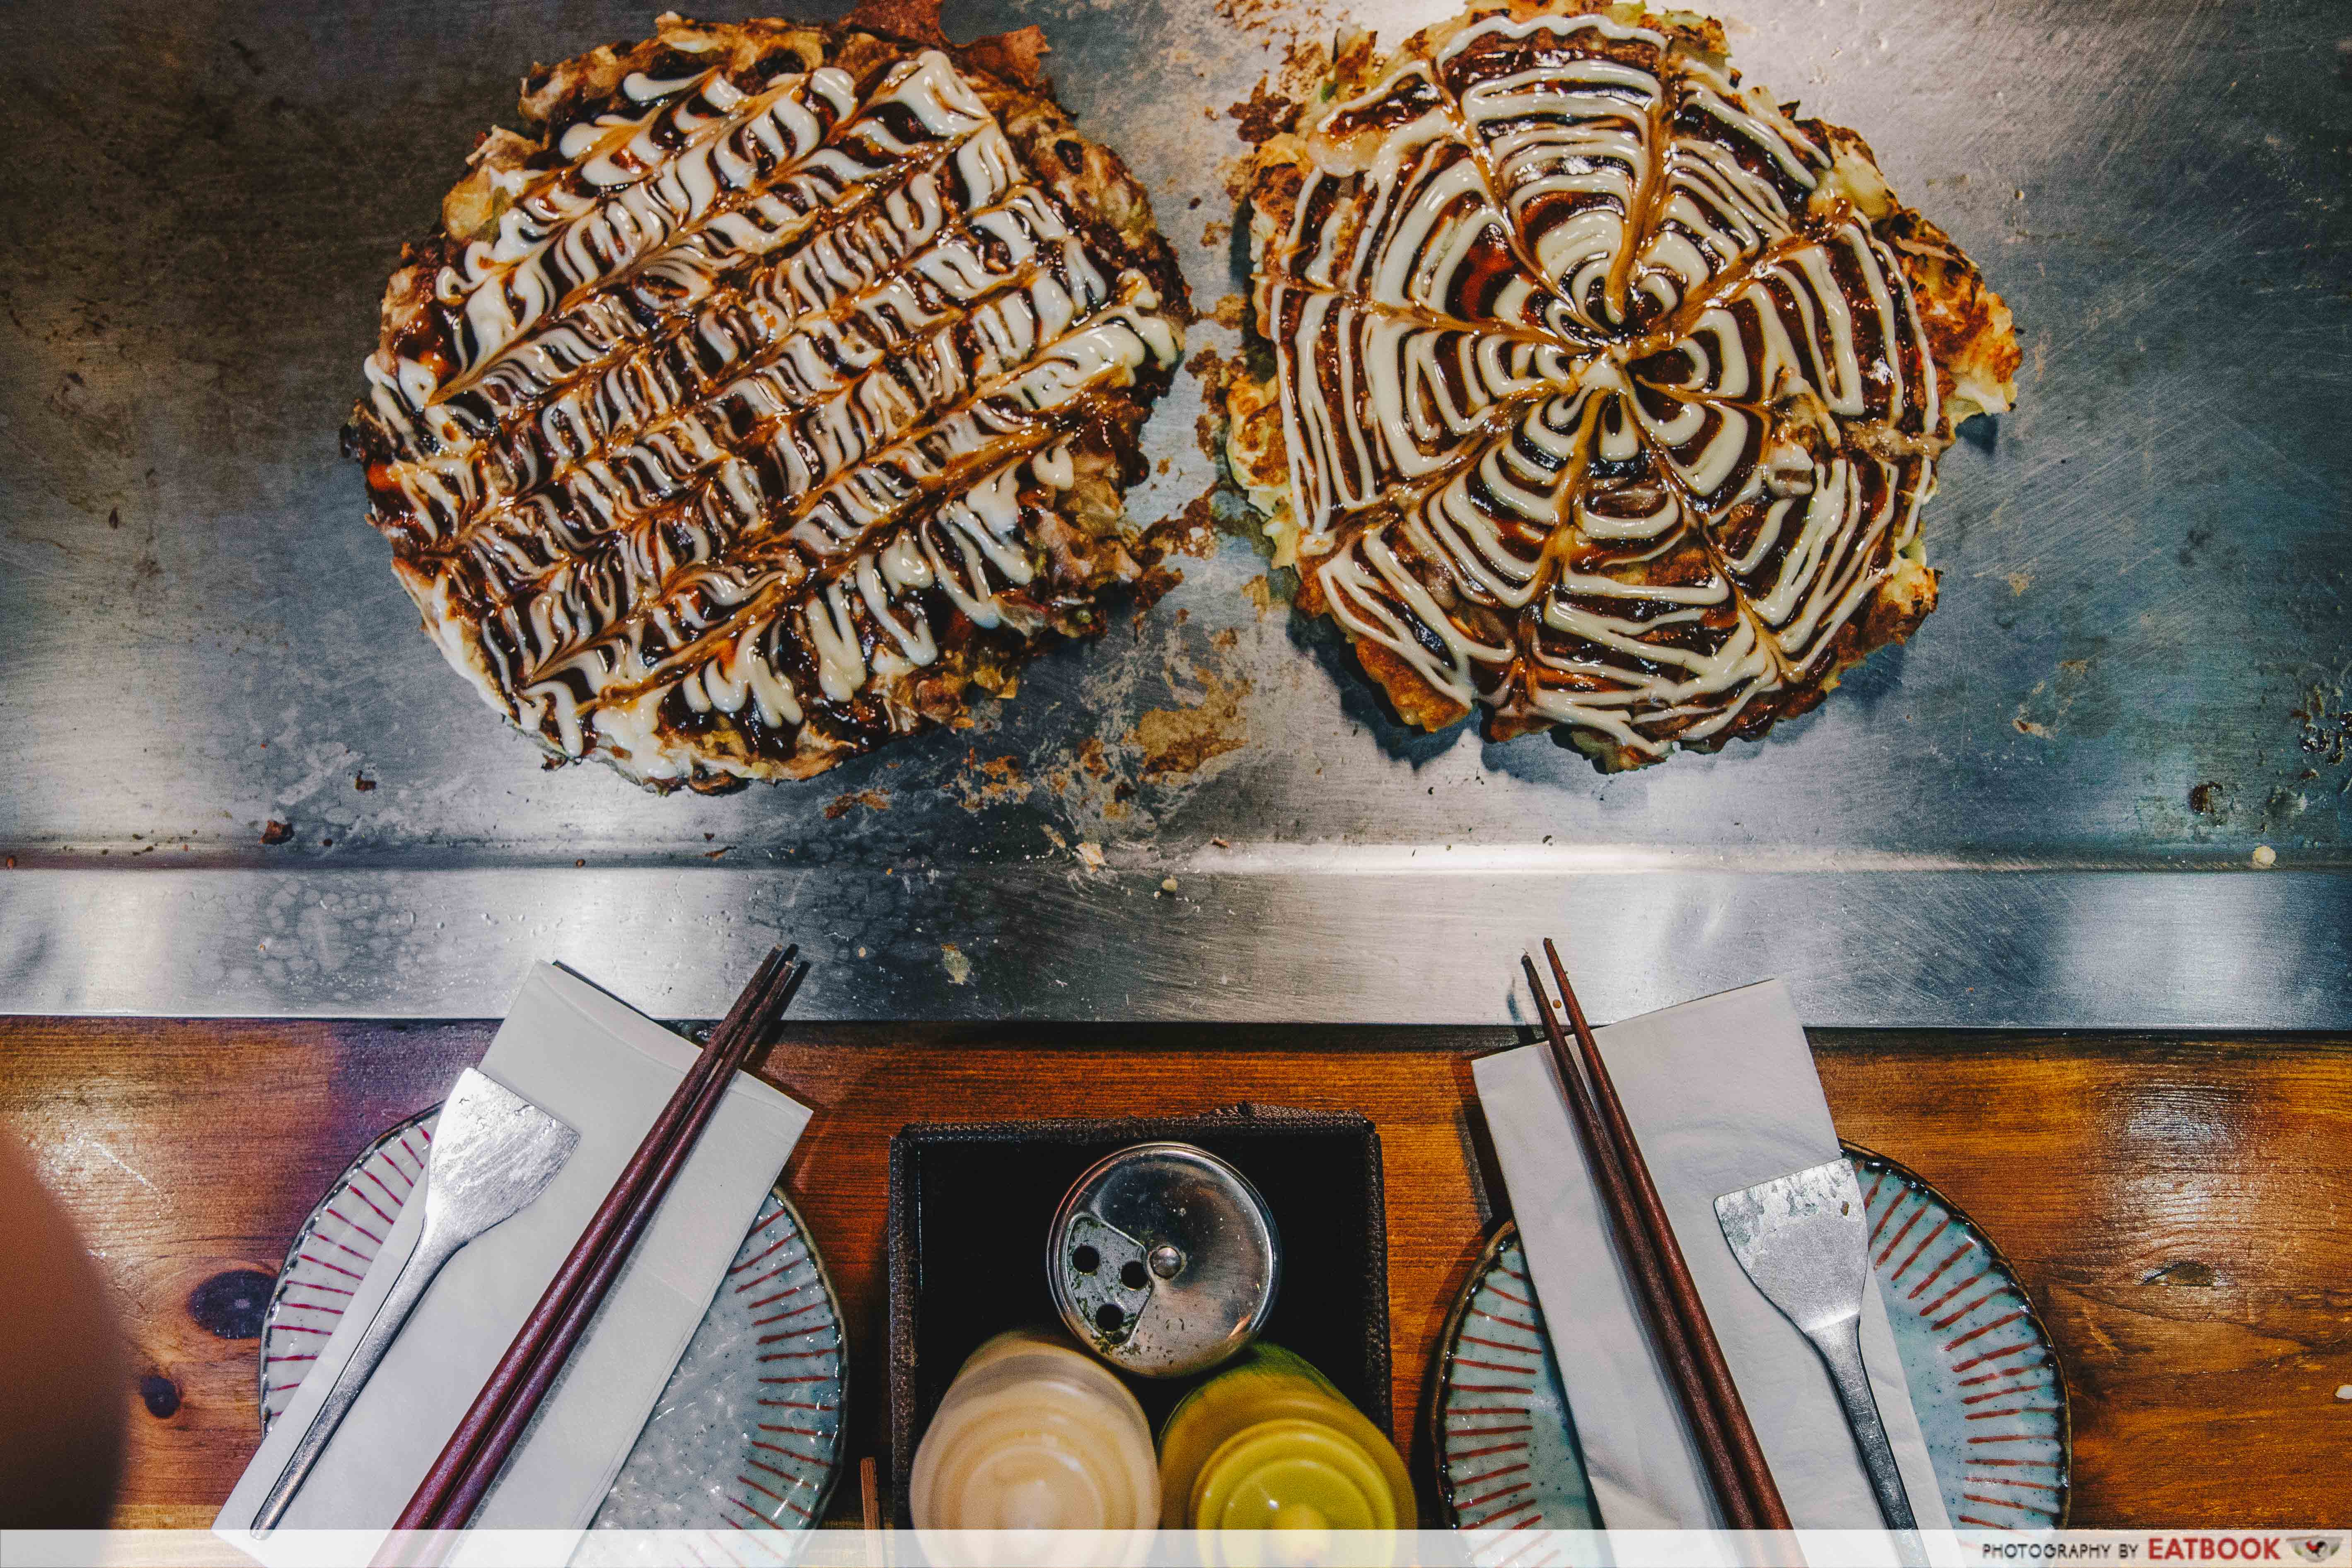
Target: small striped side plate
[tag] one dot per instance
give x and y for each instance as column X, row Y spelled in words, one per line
column 1506, row 1447
column 1983, row 1374
column 748, row 1433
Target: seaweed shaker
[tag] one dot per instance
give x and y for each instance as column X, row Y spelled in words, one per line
column 1164, row 1259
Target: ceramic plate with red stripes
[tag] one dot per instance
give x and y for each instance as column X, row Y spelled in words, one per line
column 749, row 1430
column 1984, row 1377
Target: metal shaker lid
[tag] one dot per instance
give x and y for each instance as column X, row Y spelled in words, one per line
column 1164, row 1258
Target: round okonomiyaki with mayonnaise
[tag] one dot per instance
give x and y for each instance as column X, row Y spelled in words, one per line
column 776, row 385
column 1603, row 393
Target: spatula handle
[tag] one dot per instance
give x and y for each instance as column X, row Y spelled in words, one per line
column 434, row 1248
column 1841, row 1347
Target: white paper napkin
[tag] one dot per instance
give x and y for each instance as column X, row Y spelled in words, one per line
column 1722, row 1094
column 607, row 1071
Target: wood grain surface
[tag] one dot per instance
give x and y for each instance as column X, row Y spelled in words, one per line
column 2180, row 1210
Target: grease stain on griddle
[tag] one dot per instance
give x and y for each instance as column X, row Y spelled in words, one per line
column 842, row 806
column 997, row 782
column 1263, row 115
column 1283, row 22
column 1179, row 740
column 2327, row 724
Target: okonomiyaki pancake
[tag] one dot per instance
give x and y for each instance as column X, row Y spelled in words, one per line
column 779, row 384
column 1602, row 394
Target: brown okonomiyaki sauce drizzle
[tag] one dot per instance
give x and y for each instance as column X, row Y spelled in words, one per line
column 765, row 397
column 1605, row 407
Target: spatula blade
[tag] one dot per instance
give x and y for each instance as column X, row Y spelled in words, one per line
column 493, row 1153
column 1803, row 1239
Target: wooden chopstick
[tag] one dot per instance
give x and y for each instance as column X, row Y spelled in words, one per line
column 1649, row 1276
column 470, row 1460
column 1746, row 1453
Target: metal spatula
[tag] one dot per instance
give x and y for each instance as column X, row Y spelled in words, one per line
column 1804, row 1239
column 493, row 1153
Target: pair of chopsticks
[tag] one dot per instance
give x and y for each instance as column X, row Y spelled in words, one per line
column 1744, row 1487
column 479, row 1447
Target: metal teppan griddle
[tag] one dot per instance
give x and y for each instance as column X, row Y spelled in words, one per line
column 2093, row 791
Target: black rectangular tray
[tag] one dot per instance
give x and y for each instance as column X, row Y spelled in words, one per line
column 971, row 1204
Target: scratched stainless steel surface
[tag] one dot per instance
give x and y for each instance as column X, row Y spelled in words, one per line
column 2145, row 572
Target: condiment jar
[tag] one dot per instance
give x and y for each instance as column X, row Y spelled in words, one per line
column 1035, row 1434
column 1269, row 1444
column 1164, row 1258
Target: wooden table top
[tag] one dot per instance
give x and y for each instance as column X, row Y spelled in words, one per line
column 2182, row 1211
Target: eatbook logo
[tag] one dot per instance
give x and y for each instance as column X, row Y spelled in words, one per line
column 2318, row 1548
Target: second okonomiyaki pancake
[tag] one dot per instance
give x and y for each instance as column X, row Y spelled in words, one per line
column 1603, row 392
